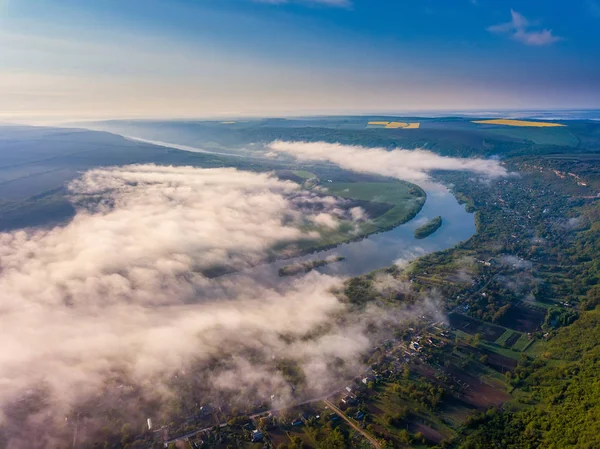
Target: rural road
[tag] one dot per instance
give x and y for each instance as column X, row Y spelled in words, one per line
column 256, row 415
column 341, row 414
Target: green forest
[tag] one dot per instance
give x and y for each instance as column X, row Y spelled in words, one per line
column 559, row 396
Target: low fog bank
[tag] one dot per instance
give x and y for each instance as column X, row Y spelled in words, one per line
column 113, row 314
column 408, row 165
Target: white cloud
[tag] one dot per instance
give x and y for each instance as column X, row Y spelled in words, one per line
column 409, row 165
column 121, row 293
column 121, row 287
column 326, row 220
column 358, row 214
column 522, row 30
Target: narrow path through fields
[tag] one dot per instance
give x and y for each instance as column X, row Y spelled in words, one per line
column 341, row 414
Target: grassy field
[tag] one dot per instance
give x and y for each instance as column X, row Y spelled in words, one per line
column 505, row 336
column 407, row 199
column 304, row 174
column 389, row 403
column 540, row 304
column 490, row 332
column 388, row 204
column 393, row 193
column 521, row 343
column 504, row 352
column 535, row 348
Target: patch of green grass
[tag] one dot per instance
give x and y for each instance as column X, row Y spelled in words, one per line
column 390, row 403
column 505, row 336
column 535, row 348
column 510, row 353
column 521, row 343
column 463, row 336
column 403, row 200
column 396, row 193
column 544, row 305
column 398, row 215
column 406, row 198
column 493, row 377
column 304, row 174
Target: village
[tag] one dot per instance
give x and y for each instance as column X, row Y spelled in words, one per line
column 354, row 408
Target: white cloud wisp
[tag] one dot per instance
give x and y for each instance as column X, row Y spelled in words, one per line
column 409, row 165
column 520, row 29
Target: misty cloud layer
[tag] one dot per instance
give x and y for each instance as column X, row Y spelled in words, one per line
column 121, row 291
column 409, row 165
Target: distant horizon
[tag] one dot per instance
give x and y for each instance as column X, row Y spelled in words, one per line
column 423, row 113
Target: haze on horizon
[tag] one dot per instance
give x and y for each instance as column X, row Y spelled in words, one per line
column 67, row 59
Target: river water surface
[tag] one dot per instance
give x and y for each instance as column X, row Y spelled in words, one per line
column 399, row 244
column 387, row 248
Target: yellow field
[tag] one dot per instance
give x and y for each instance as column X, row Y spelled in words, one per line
column 396, row 125
column 509, row 122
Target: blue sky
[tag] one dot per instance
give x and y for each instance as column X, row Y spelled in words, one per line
column 198, row 58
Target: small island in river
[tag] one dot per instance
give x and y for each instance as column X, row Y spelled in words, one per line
column 428, row 228
column 305, row 267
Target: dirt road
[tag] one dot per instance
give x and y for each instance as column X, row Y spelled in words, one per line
column 350, row 422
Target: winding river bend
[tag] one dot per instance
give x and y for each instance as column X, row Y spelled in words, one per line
column 387, row 248
column 399, row 244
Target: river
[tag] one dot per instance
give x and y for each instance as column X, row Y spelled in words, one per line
column 386, row 248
